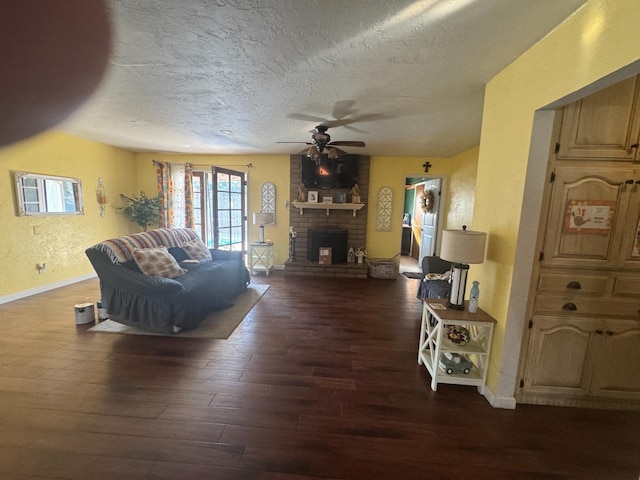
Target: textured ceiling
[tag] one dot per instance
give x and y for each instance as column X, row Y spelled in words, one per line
column 237, row 76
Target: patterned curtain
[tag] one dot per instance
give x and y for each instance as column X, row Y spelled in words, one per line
column 165, row 192
column 189, row 219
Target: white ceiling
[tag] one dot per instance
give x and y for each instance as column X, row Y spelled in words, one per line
column 236, row 76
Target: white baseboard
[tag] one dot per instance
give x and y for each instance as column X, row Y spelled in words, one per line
column 45, row 288
column 498, row 402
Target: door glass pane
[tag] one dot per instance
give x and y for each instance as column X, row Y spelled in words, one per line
column 223, row 182
column 223, row 201
column 224, row 236
column 224, row 218
column 236, row 184
column 236, row 200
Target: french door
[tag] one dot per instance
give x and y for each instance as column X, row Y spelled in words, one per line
column 229, row 209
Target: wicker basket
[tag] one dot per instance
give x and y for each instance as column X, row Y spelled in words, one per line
column 384, row 267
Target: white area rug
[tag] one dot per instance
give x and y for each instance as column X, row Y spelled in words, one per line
column 218, row 324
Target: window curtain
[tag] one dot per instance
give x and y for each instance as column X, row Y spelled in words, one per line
column 165, row 192
column 177, row 176
column 189, row 218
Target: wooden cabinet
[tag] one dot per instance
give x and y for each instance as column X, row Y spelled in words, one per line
column 582, row 344
column 605, row 125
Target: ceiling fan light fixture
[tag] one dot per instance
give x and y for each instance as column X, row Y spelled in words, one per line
column 333, row 153
column 321, row 138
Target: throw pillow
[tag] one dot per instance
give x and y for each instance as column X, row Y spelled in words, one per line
column 197, row 250
column 157, row 261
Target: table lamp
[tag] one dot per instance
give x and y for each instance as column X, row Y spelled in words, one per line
column 262, row 219
column 461, row 247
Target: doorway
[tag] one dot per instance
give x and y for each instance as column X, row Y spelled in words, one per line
column 229, row 218
column 421, row 220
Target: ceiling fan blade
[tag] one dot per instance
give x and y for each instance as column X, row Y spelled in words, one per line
column 347, row 143
column 305, row 143
column 306, row 118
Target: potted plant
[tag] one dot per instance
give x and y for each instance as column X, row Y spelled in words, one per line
column 143, row 210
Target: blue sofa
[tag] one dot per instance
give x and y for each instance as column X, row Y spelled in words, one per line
column 165, row 305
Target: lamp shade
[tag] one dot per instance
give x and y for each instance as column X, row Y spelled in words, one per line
column 463, row 246
column 262, row 218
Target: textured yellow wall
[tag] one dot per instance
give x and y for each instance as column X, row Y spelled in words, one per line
column 392, row 172
column 461, row 187
column 385, row 171
column 596, row 41
column 266, row 168
column 58, row 241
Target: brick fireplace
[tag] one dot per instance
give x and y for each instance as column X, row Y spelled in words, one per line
column 356, row 226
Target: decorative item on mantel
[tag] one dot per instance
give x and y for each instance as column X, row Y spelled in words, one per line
column 302, row 193
column 461, row 247
column 351, row 255
column 355, row 194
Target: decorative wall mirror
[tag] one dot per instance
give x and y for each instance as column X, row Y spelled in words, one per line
column 47, row 195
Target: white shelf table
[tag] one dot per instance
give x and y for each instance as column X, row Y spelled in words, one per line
column 261, row 257
column 436, row 318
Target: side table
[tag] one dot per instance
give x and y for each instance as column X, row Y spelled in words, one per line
column 261, row 257
column 438, row 353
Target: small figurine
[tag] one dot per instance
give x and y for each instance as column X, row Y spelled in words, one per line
column 359, row 254
column 302, row 193
column 355, row 194
column 351, row 255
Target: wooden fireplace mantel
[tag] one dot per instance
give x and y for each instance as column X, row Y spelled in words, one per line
column 327, row 206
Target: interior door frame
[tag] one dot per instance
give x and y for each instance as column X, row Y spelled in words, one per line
column 441, row 201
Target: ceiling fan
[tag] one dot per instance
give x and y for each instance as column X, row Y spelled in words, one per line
column 321, row 140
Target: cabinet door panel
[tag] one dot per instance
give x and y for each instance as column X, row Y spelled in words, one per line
column 559, row 356
column 616, row 371
column 602, row 125
column 583, row 219
column 630, row 241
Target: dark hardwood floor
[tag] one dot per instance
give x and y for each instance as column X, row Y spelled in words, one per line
column 319, row 381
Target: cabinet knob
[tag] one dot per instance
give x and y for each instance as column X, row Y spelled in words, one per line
column 609, row 332
column 570, row 306
column 599, row 332
column 574, row 285
column 632, row 147
column 629, row 182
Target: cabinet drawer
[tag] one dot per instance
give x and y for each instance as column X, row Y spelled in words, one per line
column 567, row 282
column 626, row 287
column 586, row 306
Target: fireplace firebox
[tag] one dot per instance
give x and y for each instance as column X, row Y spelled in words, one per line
column 327, row 237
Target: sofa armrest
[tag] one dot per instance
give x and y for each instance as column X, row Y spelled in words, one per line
column 117, row 276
